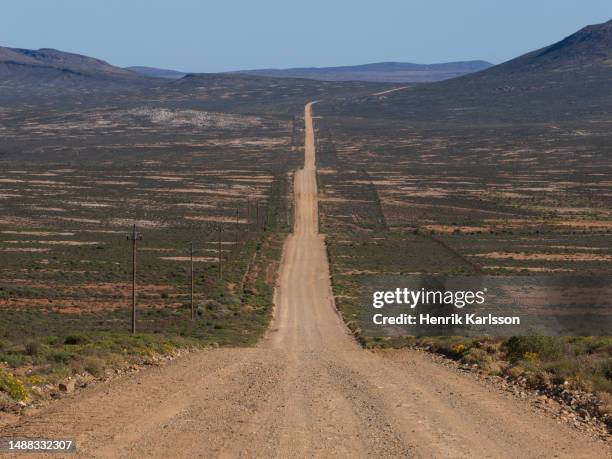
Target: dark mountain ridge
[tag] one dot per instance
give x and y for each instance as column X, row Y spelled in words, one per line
column 570, row 78
column 47, row 75
column 52, row 59
column 591, row 43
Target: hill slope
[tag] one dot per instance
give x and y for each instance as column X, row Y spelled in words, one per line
column 49, row 60
column 571, row 78
column 157, row 73
column 27, row 74
column 390, row 72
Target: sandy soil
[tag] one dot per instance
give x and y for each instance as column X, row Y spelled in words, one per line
column 308, row 390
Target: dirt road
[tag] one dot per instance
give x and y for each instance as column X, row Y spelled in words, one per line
column 306, row 391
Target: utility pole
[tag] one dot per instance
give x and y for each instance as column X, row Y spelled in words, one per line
column 219, row 252
column 237, row 224
column 134, row 237
column 192, row 303
column 248, row 219
column 256, row 214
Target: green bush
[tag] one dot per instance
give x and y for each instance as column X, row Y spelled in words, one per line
column 606, row 369
column 75, row 339
column 545, row 347
column 61, row 356
column 13, row 360
column 13, row 387
column 33, row 348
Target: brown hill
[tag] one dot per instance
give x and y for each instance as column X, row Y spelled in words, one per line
column 54, row 60
column 571, row 78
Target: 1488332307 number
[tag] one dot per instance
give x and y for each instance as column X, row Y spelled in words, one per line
column 37, row 444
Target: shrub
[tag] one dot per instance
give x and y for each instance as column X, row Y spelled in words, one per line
column 94, row 366
column 61, row 356
column 477, row 356
column 538, row 378
column 13, row 360
column 75, row 339
column 606, row 368
column 6, row 402
column 605, row 406
column 458, row 349
column 168, row 348
column 490, row 347
column 32, row 348
column 514, row 371
column 35, row 380
column 546, row 347
column 53, row 340
column 13, row 387
column 581, row 382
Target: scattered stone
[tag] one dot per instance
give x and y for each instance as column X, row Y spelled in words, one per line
column 66, row 386
column 581, row 410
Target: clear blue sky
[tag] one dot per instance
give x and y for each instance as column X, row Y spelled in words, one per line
column 209, row 36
